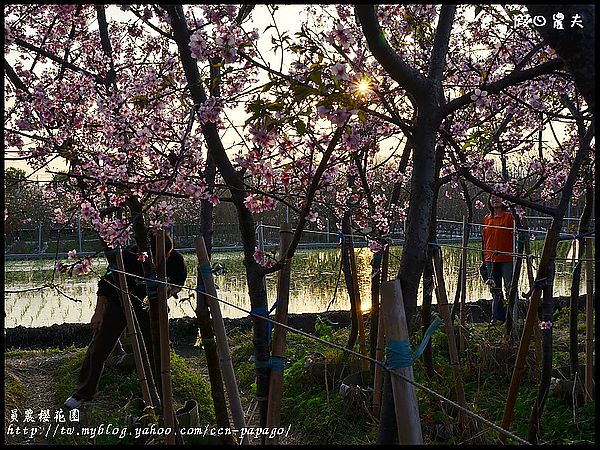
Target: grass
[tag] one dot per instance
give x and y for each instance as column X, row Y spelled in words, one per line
column 318, row 414
column 116, row 388
column 14, row 393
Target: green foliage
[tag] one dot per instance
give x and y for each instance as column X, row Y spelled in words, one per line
column 14, row 392
column 318, row 414
column 189, row 383
column 116, row 388
column 323, row 330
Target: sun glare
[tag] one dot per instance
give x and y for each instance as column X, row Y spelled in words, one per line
column 363, row 86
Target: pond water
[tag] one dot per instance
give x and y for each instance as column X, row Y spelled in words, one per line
column 314, row 286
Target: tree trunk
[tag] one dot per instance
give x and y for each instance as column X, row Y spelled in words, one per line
column 143, row 244
column 346, row 249
column 375, row 283
column 254, row 278
column 419, row 214
column 544, row 387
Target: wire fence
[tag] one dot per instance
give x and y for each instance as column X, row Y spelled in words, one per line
column 47, row 241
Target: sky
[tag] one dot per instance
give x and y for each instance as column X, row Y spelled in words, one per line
column 288, row 18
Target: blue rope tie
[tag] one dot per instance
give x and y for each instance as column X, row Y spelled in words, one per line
column 399, row 355
column 262, row 311
column 205, row 269
column 200, row 285
column 275, row 363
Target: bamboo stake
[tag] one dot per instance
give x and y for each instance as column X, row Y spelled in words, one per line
column 221, row 336
column 146, row 362
column 378, row 376
column 128, row 312
column 442, row 299
column 405, row 397
column 279, row 334
column 589, row 323
column 463, row 286
column 212, row 361
column 530, row 275
column 362, row 342
column 165, row 355
column 528, row 330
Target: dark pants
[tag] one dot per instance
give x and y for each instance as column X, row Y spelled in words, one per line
column 103, row 343
column 501, row 272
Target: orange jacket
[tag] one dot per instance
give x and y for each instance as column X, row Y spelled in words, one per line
column 498, row 239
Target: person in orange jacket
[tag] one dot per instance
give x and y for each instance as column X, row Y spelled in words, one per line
column 498, row 238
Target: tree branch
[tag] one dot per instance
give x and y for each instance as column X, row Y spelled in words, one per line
column 511, row 79
column 440, row 43
column 20, row 42
column 408, row 77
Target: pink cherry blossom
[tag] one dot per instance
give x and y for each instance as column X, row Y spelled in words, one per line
column 338, row 70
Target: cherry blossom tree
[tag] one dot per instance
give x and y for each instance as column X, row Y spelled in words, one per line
column 399, row 99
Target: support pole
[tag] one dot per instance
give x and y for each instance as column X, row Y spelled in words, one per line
column 537, row 340
column 442, row 298
column 79, row 235
column 405, row 397
column 463, row 286
column 279, row 334
column 135, row 344
column 221, row 335
column 589, row 323
column 40, row 237
column 165, row 355
column 362, row 342
column 209, row 345
column 378, row 377
column 528, row 329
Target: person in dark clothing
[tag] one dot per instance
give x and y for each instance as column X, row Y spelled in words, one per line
column 108, row 320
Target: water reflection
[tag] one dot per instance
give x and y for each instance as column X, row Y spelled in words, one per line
column 314, row 286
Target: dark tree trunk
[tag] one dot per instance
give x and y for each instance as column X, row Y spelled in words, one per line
column 428, row 269
column 375, row 284
column 205, row 325
column 254, row 277
column 346, row 249
column 419, row 213
column 546, row 316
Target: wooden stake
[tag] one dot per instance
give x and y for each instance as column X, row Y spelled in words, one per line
column 442, row 299
column 212, row 362
column 146, row 363
column 589, row 323
column 165, row 354
column 221, row 335
column 405, row 397
column 362, row 342
column 279, row 334
column 378, row 377
column 528, row 329
column 463, row 286
column 537, row 341
column 128, row 312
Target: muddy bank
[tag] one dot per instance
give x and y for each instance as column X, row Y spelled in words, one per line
column 183, row 331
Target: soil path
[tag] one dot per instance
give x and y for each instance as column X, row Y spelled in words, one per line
column 35, row 372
